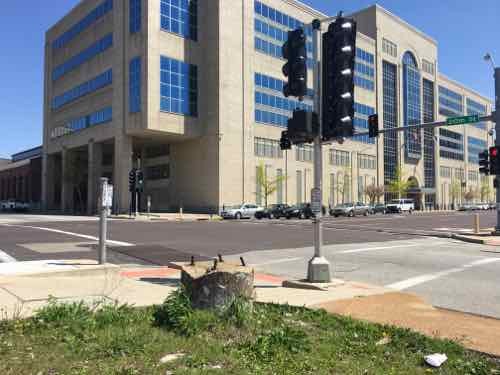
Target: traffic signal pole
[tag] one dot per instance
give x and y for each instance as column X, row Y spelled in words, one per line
column 318, row 267
column 496, row 118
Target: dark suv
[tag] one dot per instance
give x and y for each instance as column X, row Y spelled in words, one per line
column 274, row 211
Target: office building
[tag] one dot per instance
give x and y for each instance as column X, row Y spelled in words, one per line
column 190, row 91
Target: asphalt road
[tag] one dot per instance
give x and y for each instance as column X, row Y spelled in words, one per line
column 404, row 252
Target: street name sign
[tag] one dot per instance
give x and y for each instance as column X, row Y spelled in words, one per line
column 462, row 120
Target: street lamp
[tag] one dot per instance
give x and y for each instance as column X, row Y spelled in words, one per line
column 489, row 58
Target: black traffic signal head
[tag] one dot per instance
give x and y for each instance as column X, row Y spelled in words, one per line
column 494, row 160
column 139, row 181
column 484, row 162
column 131, row 180
column 373, row 126
column 339, row 52
column 285, row 143
column 295, row 52
column 303, row 127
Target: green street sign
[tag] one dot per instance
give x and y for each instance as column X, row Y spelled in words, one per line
column 462, row 120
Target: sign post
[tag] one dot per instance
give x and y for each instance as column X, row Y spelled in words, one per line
column 106, row 203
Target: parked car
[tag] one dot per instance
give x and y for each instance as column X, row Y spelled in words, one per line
column 14, row 205
column 246, row 210
column 300, row 211
column 378, row 208
column 492, row 206
column 483, row 206
column 350, row 209
column 401, row 205
column 467, row 207
column 274, row 211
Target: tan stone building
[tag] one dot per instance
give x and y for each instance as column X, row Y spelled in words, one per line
column 191, row 90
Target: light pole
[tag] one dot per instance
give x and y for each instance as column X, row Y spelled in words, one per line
column 496, row 118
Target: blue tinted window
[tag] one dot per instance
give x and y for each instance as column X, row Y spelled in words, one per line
column 450, row 102
column 135, row 14
column 83, row 24
column 80, row 123
column 451, row 144
column 361, row 113
column 84, row 56
column 85, row 88
column 390, row 111
column 474, row 147
column 180, row 17
column 276, row 26
column 429, row 142
column 475, row 108
column 135, row 85
column 412, row 105
column 364, row 70
column 179, row 87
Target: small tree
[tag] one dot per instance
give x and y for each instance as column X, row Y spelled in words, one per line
column 267, row 186
column 374, row 193
column 455, row 191
column 485, row 190
column 399, row 185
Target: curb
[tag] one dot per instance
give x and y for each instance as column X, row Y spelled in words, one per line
column 479, row 241
column 95, row 271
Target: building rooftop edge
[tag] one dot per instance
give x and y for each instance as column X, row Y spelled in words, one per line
column 17, row 164
column 28, row 150
column 300, row 4
column 443, row 77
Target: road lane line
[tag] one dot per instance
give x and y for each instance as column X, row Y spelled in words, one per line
column 110, row 242
column 6, row 258
column 414, row 281
column 367, row 249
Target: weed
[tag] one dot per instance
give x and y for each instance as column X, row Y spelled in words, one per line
column 239, row 312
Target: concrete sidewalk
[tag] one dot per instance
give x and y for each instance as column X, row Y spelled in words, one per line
column 27, row 286
column 168, row 217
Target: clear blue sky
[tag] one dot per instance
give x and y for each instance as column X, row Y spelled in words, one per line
column 464, row 29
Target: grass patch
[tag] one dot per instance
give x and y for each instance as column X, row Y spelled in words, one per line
column 243, row 338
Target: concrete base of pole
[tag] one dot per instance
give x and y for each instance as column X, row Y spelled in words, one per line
column 318, row 270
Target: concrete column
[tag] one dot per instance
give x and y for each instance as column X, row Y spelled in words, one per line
column 122, row 166
column 94, row 173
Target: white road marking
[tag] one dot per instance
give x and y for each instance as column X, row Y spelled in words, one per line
column 366, row 249
column 6, row 258
column 285, row 260
column 414, row 281
column 110, row 242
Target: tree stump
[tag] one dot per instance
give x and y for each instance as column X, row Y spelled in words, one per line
column 214, row 285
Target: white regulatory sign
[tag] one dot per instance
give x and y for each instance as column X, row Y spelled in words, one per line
column 107, row 196
column 316, row 200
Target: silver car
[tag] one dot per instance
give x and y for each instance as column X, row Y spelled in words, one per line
column 243, row 211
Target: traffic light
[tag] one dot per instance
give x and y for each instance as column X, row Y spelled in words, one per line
column 131, row 180
column 285, row 143
column 139, row 181
column 373, row 126
column 295, row 52
column 339, row 51
column 303, row 127
column 484, row 162
column 494, row 167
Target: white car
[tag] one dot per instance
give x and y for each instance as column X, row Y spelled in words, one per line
column 401, row 205
column 246, row 210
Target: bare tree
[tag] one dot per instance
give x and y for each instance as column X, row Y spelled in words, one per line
column 455, row 191
column 75, row 178
column 374, row 193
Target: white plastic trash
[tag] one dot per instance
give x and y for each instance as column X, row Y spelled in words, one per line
column 435, row 360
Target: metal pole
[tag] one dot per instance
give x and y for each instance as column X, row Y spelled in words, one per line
column 149, row 205
column 103, row 222
column 136, row 208
column 319, row 267
column 496, row 118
